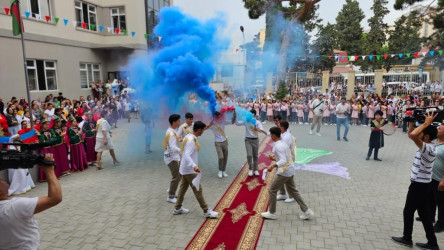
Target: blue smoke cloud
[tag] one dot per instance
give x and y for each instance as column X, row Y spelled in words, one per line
column 189, row 49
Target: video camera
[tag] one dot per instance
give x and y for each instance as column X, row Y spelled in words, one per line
column 25, row 158
column 418, row 115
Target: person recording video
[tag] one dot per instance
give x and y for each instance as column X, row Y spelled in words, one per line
column 419, row 194
column 18, row 228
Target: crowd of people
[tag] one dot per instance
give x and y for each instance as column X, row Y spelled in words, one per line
column 75, row 131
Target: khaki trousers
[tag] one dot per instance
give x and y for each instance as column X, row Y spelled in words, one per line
column 278, row 183
column 185, row 182
column 222, row 154
column 175, row 178
column 316, row 120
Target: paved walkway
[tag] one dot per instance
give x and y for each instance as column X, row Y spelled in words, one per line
column 124, row 207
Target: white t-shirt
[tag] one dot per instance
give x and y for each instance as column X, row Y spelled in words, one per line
column 18, row 228
column 190, row 155
column 423, row 163
column 103, row 125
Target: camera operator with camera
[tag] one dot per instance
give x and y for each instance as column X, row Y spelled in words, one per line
column 419, row 194
column 18, row 228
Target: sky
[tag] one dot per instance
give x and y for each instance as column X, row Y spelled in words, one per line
column 236, row 15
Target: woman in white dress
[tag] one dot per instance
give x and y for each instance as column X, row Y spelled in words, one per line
column 20, row 179
column 103, row 140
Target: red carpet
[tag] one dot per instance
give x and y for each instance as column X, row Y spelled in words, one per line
column 240, row 223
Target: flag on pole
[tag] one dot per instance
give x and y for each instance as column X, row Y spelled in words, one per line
column 17, row 23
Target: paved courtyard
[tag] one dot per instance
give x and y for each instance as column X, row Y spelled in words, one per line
column 124, row 207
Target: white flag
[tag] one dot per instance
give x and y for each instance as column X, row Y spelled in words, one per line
column 109, row 29
column 37, row 16
column 74, row 24
column 424, row 54
column 363, row 57
column 392, row 55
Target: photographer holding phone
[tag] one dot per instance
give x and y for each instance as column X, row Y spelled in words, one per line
column 18, row 228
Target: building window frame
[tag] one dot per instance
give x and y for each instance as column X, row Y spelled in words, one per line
column 45, row 72
column 95, row 68
column 90, row 11
column 119, row 12
column 25, row 5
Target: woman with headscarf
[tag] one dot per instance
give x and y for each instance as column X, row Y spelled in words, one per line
column 89, row 129
column 60, row 151
column 77, row 150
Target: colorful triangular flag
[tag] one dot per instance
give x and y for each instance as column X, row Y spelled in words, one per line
column 432, row 52
column 100, row 28
column 356, row 58
column 370, row 57
column 378, row 57
column 74, row 24
column 7, row 11
column 65, row 21
column 400, row 55
column 47, row 18
column 424, row 54
column 363, row 57
column 415, row 54
column 133, row 33
column 27, row 14
column 153, row 37
column 329, row 57
column 37, row 16
column 146, row 37
column 336, row 57
column 349, row 58
column 392, row 55
column 342, row 57
column 56, row 20
column 440, row 52
column 408, row 55
column 125, row 32
column 84, row 25
column 92, row 26
column 109, row 29
column 117, row 30
column 385, row 56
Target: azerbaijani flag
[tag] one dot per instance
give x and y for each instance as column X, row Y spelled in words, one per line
column 17, row 23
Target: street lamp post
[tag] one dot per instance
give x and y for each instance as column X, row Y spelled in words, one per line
column 244, row 55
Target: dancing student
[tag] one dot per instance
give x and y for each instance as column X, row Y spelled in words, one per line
column 45, row 136
column 103, row 140
column 371, row 112
column 187, row 127
column 60, row 152
column 77, row 150
column 289, row 139
column 221, row 140
column 252, row 143
column 284, row 177
column 171, row 155
column 189, row 169
column 332, row 108
column 376, row 140
column 89, row 129
column 326, row 113
column 354, row 114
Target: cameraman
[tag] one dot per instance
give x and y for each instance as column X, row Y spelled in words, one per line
column 18, row 228
column 419, row 194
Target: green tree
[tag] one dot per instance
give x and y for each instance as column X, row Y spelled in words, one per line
column 404, row 39
column 325, row 44
column 376, row 37
column 281, row 91
column 348, row 27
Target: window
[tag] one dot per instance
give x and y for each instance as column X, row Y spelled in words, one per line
column 89, row 73
column 118, row 18
column 42, row 75
column 86, row 13
column 36, row 7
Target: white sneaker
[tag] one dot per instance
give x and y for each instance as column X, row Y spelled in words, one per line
column 289, row 200
column 250, row 173
column 224, row 174
column 268, row 215
column 181, row 210
column 219, row 175
column 171, row 200
column 300, row 123
column 311, row 132
column 264, row 122
column 318, row 134
column 281, row 197
column 211, row 214
column 256, row 173
column 306, row 215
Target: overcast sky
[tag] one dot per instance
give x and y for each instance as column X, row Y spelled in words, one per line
column 237, row 15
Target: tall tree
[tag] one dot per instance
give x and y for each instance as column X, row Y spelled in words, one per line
column 349, row 29
column 404, row 39
column 325, row 44
column 376, row 37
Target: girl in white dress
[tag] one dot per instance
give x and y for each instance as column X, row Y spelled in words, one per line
column 103, row 140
